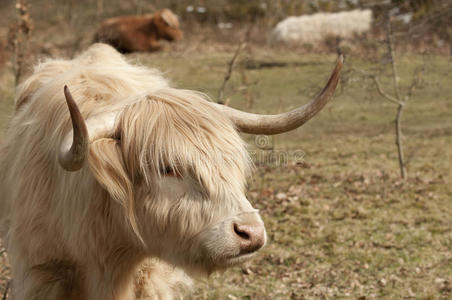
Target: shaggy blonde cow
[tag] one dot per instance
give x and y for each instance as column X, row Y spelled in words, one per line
column 139, row 187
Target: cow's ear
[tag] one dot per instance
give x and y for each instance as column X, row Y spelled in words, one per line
column 107, row 164
column 165, row 20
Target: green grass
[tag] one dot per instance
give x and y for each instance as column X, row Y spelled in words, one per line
column 341, row 225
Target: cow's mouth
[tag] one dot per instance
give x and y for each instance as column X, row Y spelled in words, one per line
column 238, row 259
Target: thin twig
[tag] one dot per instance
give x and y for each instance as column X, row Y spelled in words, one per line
column 399, row 142
column 398, row 120
column 229, row 71
column 5, row 294
column 390, row 44
column 18, row 38
column 377, row 82
column 383, row 93
column 416, row 82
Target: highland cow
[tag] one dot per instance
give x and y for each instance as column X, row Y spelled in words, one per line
column 139, row 33
column 135, row 190
column 314, row 29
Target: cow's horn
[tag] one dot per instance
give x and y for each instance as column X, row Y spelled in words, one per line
column 274, row 124
column 73, row 159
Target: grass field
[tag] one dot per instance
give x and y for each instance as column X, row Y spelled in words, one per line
column 341, row 224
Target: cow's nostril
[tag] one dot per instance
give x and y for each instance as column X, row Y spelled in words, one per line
column 241, row 232
column 250, row 236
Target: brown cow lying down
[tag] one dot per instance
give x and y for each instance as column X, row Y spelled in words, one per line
column 139, row 33
column 135, row 188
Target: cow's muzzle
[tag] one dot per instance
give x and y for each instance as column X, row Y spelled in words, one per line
column 249, row 232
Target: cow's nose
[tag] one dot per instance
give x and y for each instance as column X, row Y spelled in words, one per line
column 251, row 236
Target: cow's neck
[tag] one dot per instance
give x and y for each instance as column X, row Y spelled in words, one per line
column 115, row 257
column 113, row 279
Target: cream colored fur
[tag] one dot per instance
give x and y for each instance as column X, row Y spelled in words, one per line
column 313, row 29
column 119, row 228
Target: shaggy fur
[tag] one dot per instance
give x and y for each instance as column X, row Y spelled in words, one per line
column 313, row 29
column 139, row 33
column 154, row 202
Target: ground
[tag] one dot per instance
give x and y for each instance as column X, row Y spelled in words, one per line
column 341, row 223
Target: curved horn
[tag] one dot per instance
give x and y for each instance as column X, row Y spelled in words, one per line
column 73, row 159
column 274, row 124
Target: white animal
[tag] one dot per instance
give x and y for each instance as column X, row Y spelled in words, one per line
column 313, row 29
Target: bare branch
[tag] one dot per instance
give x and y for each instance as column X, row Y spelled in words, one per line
column 5, row 294
column 390, row 45
column 398, row 120
column 384, row 94
column 397, row 99
column 416, row 82
column 377, row 82
column 229, row 71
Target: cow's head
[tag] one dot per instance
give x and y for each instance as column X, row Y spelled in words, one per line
column 166, row 24
column 178, row 166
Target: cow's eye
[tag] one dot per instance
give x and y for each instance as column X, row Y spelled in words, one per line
column 169, row 171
